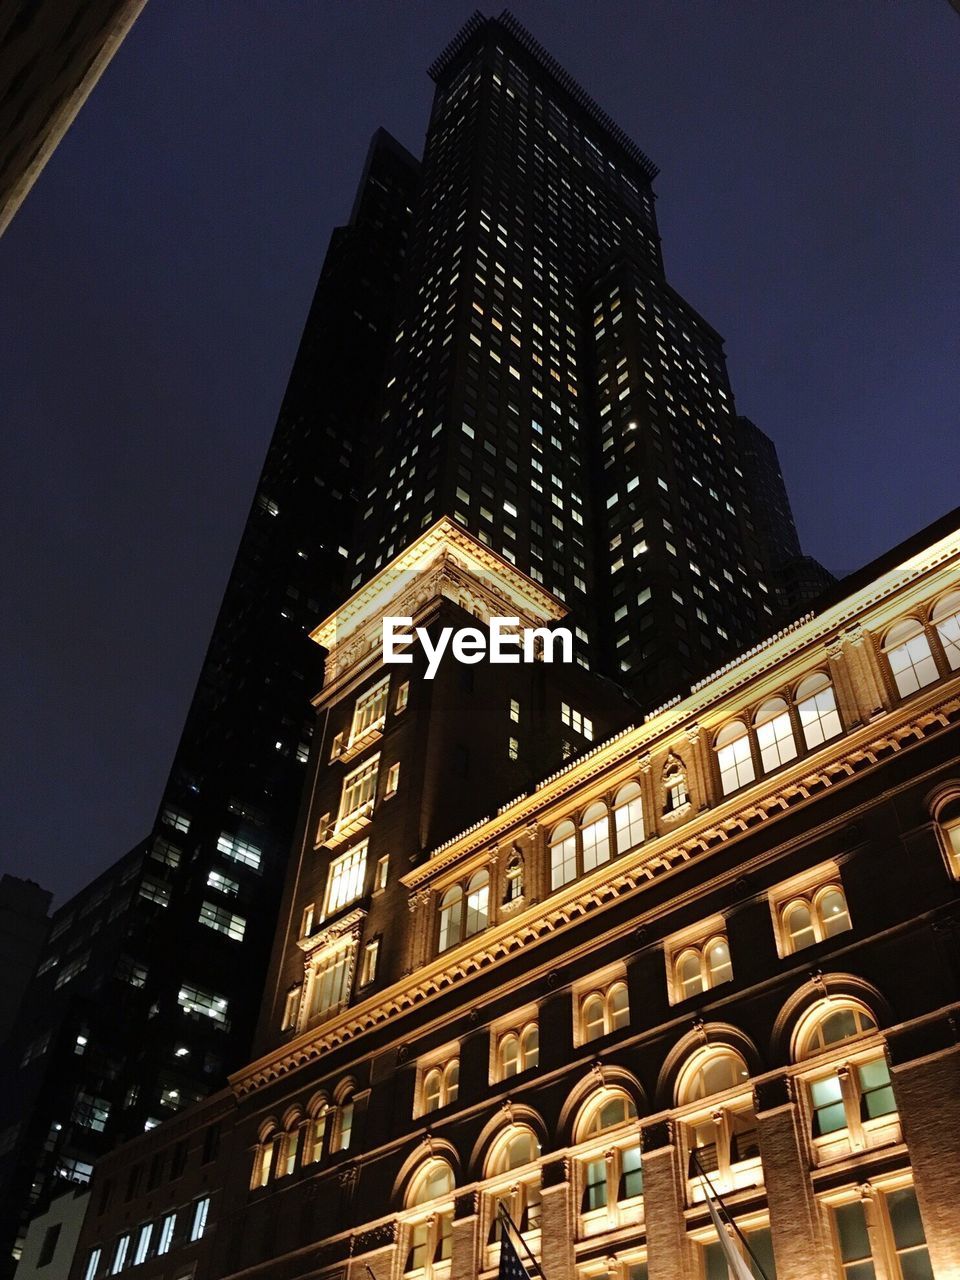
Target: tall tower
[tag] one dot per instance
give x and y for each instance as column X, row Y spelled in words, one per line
column 148, row 991
column 550, row 392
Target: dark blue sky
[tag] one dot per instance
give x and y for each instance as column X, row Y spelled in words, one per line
column 153, row 286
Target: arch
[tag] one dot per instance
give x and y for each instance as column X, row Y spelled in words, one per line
column 714, row 1035
column 344, row 1088
column 423, row 1153
column 595, row 835
column 710, row 1070
column 909, row 657
column 291, row 1118
column 318, row 1100
column 451, row 917
column 830, row 1022
column 732, row 731
column 563, row 854
column 269, row 1128
column 834, row 985
column 432, row 1181
column 604, row 1109
column 516, row 1147
column 774, row 730
column 478, row 903
column 604, row 1077
column 812, row 684
column 734, row 757
column 816, row 703
column 510, row 1116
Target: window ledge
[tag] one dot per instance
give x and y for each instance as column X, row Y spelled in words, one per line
column 359, row 744
column 349, row 826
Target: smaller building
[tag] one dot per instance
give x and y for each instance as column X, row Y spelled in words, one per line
column 23, row 927
column 51, row 1241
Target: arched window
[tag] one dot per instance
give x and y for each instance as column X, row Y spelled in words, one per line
column 430, row 1238
column 595, row 836
column 432, row 1089
column 676, row 794
column 798, row 927
column 628, row 817
column 699, row 965
column 774, row 734
column 317, row 1126
column 451, row 917
column 440, row 1086
column 604, row 1011
column 530, row 1047
column 342, row 1126
column 287, row 1162
column 563, row 855
column 451, row 1080
column 513, row 890
column 517, row 1146
column 714, row 1071
column 265, row 1155
column 948, row 818
column 946, row 618
column 817, row 709
column 607, row 1109
column 908, row 653
column 733, row 757
column 829, row 1023
column 509, row 1055
column 478, row 903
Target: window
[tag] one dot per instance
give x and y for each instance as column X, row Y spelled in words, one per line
column 393, row 780
column 806, row 916
column 595, row 837
column 829, row 1023
column 175, row 818
column 603, row 1011
column 518, row 1050
column 817, row 710
column 370, row 711
column 167, row 1228
column 93, row 1264
column 153, row 890
column 317, row 1127
column 342, row 1126
column 628, row 817
column 120, row 1255
column 223, row 884
column 222, row 921
column 91, row 1112
column 330, row 980
column 199, row 1221
column 576, row 721
column 430, row 1238
column 359, row 789
column 908, row 654
column 345, row 879
column 237, row 850
column 464, row 914
column 733, row 757
column 382, row 874
column 207, row 1003
column 945, row 617
column 698, row 963
column 143, row 1243
column 49, row 1246
column 710, row 1071
column 440, row 1085
column 774, row 734
column 368, row 967
column 614, row 1174
column 900, row 1233
column 403, row 697
column 563, row 855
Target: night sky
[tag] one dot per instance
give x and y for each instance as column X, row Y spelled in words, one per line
column 154, row 284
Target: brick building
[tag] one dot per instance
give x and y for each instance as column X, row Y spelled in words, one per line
column 731, row 929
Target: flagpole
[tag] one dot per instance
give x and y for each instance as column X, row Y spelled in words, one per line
column 727, row 1214
column 504, row 1214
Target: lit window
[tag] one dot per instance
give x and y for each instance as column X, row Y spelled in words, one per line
column 908, row 653
column 370, row 710
column 175, row 818
column 345, row 879
column 120, row 1255
column 223, row 884
column 93, row 1264
column 774, row 734
column 403, row 697
column 199, row 1221
column 733, row 757
column 330, row 980
column 342, row 1127
column 817, row 709
column 576, row 720
column 167, row 1228
column 603, row 1011
column 206, row 1003
column 563, row 855
column 291, row 1009
column 440, row 1085
column 91, row 1112
column 382, row 873
column 628, row 817
column 595, row 837
column 222, row 921
column 359, row 789
column 143, row 1243
column 810, row 916
column 430, row 1239
column 518, row 1051
column 392, row 781
column 946, row 618
column 698, row 964
column 238, row 850
column 368, row 967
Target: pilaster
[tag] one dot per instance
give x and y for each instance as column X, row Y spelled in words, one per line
column 669, row 1251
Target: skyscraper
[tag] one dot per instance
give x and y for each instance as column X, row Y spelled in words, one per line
column 148, row 990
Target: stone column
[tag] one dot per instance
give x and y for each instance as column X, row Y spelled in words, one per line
column 928, row 1099
column 464, row 1244
column 843, row 686
column 558, row 1221
column 865, row 672
column 801, row 1243
column 669, row 1252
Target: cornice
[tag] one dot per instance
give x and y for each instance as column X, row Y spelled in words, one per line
column 862, row 750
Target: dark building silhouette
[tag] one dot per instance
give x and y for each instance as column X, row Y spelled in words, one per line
column 148, row 990
column 23, row 926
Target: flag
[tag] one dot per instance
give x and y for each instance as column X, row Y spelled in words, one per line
column 511, row 1265
column 736, row 1264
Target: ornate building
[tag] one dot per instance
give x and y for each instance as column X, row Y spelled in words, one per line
column 730, row 931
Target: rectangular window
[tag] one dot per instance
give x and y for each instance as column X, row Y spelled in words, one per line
column 175, row 818
column 207, row 1003
column 345, row 879
column 331, row 981
column 403, row 697
column 143, row 1243
column 91, row 1112
column 359, row 789
column 49, row 1246
column 199, row 1222
column 291, row 1008
column 909, row 1240
column 120, row 1255
column 166, row 852
column 370, row 710
column 223, row 921
column 576, row 720
column 167, row 1228
column 595, row 1185
column 393, row 780
column 371, row 954
column 155, row 891
column 383, row 872
column 242, row 851
column 93, row 1264
column 853, row 1242
column 223, row 884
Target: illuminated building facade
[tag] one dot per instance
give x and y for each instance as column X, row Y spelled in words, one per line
column 730, row 930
